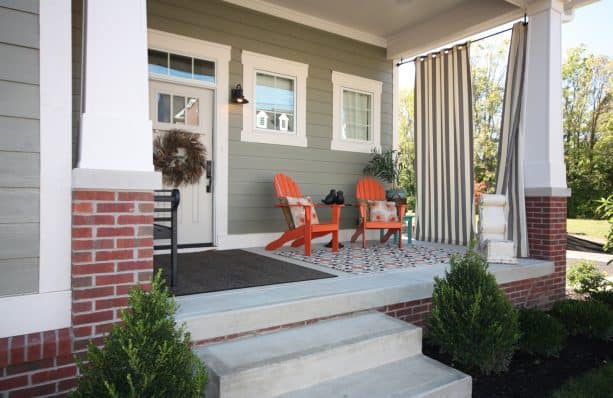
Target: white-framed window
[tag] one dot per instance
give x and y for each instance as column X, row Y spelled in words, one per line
column 356, row 103
column 276, row 90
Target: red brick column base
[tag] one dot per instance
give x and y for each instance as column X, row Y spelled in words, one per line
column 546, row 219
column 112, row 251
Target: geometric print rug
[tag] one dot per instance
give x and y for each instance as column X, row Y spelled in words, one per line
column 353, row 259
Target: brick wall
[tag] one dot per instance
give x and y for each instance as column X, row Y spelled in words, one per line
column 37, row 364
column 112, row 250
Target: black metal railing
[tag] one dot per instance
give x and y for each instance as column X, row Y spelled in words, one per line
column 165, row 225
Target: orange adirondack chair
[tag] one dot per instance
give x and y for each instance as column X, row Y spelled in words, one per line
column 370, row 189
column 286, row 187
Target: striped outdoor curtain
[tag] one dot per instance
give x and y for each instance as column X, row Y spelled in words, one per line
column 444, row 147
column 510, row 173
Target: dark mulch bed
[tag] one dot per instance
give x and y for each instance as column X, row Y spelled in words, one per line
column 214, row 270
column 532, row 377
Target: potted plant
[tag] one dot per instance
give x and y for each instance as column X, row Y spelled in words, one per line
column 387, row 166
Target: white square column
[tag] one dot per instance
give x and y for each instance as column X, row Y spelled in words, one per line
column 115, row 130
column 545, row 171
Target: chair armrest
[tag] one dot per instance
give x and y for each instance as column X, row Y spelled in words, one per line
column 402, row 209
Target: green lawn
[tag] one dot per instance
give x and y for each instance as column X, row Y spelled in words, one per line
column 591, row 229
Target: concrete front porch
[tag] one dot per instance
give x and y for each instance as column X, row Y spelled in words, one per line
column 404, row 293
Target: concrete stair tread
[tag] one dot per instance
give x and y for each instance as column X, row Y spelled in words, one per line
column 237, row 355
column 416, row 376
column 275, row 363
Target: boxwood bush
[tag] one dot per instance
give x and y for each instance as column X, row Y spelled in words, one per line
column 541, row 334
column 589, row 318
column 472, row 319
column 586, row 277
column 147, row 356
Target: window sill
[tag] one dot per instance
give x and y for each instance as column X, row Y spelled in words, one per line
column 351, row 146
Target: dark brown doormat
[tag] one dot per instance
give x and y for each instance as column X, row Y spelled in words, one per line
column 214, row 270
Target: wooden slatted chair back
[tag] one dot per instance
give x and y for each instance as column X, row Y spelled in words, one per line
column 369, row 189
column 285, row 186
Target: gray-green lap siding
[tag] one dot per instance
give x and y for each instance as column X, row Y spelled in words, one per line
column 252, row 166
column 19, row 147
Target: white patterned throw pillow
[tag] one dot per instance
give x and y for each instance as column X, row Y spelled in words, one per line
column 298, row 211
column 382, row 211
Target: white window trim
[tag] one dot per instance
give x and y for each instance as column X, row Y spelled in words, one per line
column 342, row 81
column 253, row 62
column 50, row 308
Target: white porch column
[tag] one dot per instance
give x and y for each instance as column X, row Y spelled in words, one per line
column 115, row 130
column 545, row 171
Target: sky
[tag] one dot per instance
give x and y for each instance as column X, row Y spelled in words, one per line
column 592, row 25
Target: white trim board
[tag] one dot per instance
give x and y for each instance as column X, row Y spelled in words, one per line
column 309, row 20
column 245, row 241
column 221, row 54
column 33, row 313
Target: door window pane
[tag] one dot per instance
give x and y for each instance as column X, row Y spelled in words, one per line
column 357, row 115
column 178, row 109
column 204, row 70
column 275, row 95
column 158, row 62
column 163, row 102
column 180, row 66
column 191, row 111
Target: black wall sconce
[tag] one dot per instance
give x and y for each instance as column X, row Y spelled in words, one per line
column 237, row 95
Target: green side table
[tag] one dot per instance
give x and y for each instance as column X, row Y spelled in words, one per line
column 409, row 221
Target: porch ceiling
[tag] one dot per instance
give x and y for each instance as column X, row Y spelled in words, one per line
column 405, row 27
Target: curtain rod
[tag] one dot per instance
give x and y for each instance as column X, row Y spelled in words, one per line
column 406, row 61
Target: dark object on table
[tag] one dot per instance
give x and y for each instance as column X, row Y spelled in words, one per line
column 340, row 198
column 330, row 198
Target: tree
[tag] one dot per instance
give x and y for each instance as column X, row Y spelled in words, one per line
column 407, row 144
column 488, row 60
column 588, row 128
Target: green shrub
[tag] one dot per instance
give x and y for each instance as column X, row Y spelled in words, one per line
column 148, row 356
column 604, row 296
column 585, row 277
column 593, row 384
column 472, row 319
column 588, row 318
column 541, row 334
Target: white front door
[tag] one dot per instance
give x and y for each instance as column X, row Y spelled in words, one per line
column 188, row 108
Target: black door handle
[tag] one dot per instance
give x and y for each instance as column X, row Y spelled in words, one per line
column 209, row 176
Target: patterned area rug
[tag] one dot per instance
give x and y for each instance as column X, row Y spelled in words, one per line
column 355, row 260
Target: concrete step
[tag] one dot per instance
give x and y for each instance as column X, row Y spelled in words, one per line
column 417, row 376
column 276, row 363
